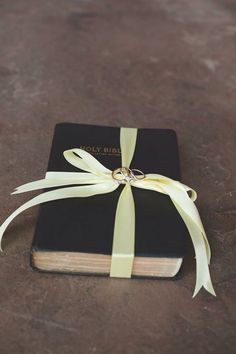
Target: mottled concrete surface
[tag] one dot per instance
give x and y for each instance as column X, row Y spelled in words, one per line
column 156, row 63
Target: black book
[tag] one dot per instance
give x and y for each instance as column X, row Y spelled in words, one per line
column 75, row 235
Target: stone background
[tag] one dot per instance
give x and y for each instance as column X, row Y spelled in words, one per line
column 156, row 63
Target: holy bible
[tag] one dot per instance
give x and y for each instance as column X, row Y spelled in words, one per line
column 75, row 235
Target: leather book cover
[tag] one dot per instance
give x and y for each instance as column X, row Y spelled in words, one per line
column 86, row 224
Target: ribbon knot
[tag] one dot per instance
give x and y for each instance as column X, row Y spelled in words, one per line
column 97, row 179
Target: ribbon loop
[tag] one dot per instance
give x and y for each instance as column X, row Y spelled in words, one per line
column 85, row 162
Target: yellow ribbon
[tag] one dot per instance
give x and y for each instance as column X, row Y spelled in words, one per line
column 97, row 179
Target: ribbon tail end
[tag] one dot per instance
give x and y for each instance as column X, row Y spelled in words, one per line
column 210, row 289
column 196, row 291
column 15, row 192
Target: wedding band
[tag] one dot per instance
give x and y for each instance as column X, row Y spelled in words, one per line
column 124, row 175
column 138, row 176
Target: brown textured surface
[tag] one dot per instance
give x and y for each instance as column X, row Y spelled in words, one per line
column 134, row 63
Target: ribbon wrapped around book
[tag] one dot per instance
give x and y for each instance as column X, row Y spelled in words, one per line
column 97, row 179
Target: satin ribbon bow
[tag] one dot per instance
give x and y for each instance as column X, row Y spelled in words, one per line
column 97, row 179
